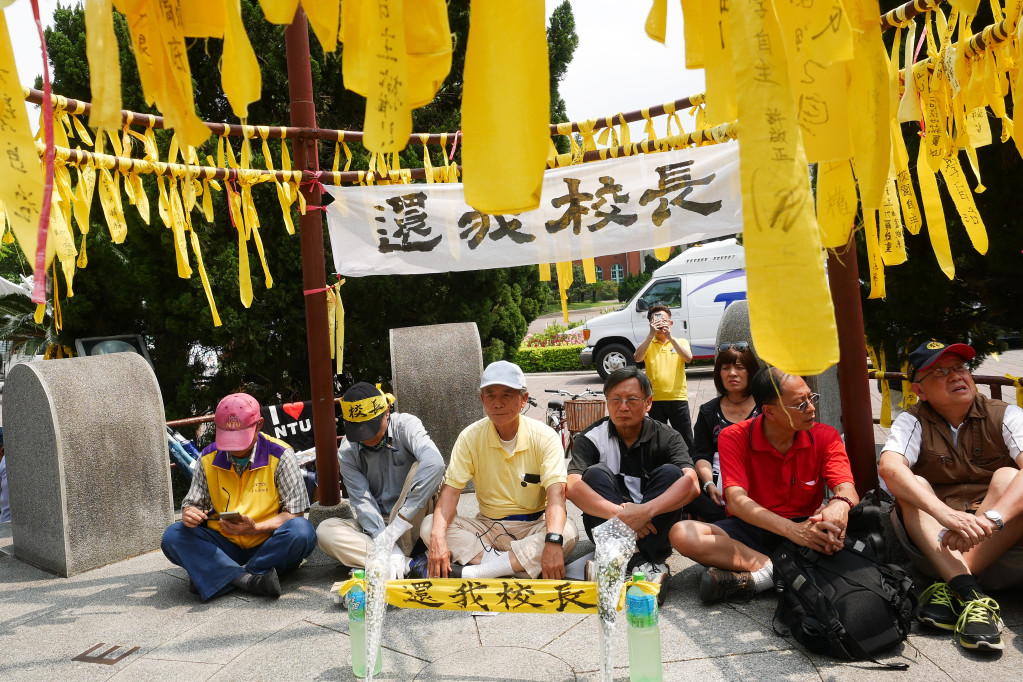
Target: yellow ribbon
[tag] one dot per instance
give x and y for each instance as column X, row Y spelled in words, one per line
column 367, row 408
column 564, row 282
column 886, row 393
column 1019, row 388
column 937, row 231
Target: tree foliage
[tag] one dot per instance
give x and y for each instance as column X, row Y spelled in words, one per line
column 133, row 287
column 984, row 301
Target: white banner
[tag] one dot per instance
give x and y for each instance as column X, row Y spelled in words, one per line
column 593, row 209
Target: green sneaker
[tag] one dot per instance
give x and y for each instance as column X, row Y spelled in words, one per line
column 939, row 607
column 979, row 625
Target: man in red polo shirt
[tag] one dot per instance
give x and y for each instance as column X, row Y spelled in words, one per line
column 774, row 469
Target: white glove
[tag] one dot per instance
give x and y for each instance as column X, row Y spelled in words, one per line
column 396, row 564
column 398, row 527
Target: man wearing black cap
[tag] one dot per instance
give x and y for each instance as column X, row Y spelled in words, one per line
column 392, row 470
column 951, row 462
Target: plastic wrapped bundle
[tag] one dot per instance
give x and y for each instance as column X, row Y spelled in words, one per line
column 615, row 542
column 376, row 591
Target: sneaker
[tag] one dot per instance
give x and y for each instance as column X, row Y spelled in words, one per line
column 717, row 584
column 266, row 584
column 979, row 626
column 455, row 570
column 417, row 568
column 939, row 607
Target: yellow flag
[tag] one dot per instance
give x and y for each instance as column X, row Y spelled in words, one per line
column 428, row 41
column 512, row 108
column 783, row 248
column 904, row 182
column 21, row 174
column 836, row 202
column 937, row 231
column 874, row 261
column 893, row 245
column 962, row 197
column 657, row 19
column 869, row 102
column 105, row 65
column 819, row 88
column 388, row 114
column 717, row 60
column 240, row 75
column 694, row 20
column 564, row 282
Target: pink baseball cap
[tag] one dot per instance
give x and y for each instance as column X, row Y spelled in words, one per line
column 236, row 420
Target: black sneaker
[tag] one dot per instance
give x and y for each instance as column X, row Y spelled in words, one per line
column 417, row 568
column 455, row 570
column 979, row 625
column 265, row 584
column 939, row 607
column 656, row 573
column 717, row 584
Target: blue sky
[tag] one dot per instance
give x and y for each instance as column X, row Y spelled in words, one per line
column 616, row 67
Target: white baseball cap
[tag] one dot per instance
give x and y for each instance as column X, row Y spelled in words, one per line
column 504, row 373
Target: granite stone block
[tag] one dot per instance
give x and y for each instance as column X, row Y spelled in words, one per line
column 87, row 462
column 436, row 373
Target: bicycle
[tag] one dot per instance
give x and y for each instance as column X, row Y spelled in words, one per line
column 572, row 413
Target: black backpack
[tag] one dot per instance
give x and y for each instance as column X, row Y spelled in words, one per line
column 852, row 604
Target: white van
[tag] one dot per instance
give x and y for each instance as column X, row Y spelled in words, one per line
column 697, row 285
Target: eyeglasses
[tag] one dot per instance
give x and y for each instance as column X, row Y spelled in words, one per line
column 943, row 372
column 740, row 346
column 631, row 402
column 805, row 405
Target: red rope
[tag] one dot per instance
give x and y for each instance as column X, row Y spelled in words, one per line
column 39, row 286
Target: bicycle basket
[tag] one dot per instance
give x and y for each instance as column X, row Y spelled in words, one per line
column 579, row 414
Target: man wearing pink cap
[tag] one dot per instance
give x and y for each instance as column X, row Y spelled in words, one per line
column 952, row 463
column 242, row 521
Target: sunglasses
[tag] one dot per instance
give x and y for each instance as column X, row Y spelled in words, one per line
column 740, row 346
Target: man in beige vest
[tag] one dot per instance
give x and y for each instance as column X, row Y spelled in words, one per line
column 952, row 464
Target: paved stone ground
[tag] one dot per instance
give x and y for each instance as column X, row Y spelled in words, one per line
column 144, row 602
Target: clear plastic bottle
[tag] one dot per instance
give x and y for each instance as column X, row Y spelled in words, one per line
column 357, row 629
column 644, row 635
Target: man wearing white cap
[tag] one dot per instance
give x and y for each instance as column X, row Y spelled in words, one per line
column 241, row 521
column 518, row 466
column 952, row 461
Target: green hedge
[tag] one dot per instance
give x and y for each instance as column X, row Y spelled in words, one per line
column 550, row 358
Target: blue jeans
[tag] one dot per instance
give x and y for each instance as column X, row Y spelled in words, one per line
column 212, row 561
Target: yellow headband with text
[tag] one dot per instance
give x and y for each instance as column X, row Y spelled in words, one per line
column 367, row 408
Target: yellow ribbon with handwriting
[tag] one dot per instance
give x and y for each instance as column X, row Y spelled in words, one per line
column 105, row 65
column 21, row 174
column 937, row 230
column 388, row 113
column 869, row 102
column 717, row 60
column 893, row 245
column 962, row 197
column 874, row 261
column 782, row 242
column 836, row 202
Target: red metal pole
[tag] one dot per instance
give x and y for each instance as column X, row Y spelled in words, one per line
column 853, row 383
column 314, row 275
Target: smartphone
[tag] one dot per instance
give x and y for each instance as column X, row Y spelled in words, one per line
column 231, row 516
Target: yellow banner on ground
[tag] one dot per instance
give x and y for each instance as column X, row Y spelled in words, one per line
column 783, row 248
column 499, row 594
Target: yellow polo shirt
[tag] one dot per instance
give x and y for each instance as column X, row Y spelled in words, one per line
column 666, row 370
column 508, row 484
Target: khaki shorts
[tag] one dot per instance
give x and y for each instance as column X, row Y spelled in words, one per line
column 1004, row 573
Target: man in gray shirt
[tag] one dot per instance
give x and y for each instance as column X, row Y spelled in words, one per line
column 392, row 471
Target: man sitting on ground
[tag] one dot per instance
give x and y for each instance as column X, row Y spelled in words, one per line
column 952, row 463
column 518, row 466
column 391, row 469
column 257, row 477
column 630, row 466
column 774, row 468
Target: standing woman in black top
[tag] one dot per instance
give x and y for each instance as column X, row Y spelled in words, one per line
column 734, row 366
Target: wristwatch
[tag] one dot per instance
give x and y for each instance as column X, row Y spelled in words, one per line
column 995, row 518
column 556, row 538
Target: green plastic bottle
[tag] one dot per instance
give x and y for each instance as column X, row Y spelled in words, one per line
column 357, row 629
column 644, row 634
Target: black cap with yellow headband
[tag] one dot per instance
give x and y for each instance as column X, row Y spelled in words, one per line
column 363, row 408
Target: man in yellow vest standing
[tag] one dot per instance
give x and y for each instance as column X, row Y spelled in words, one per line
column 242, row 520
column 666, row 359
